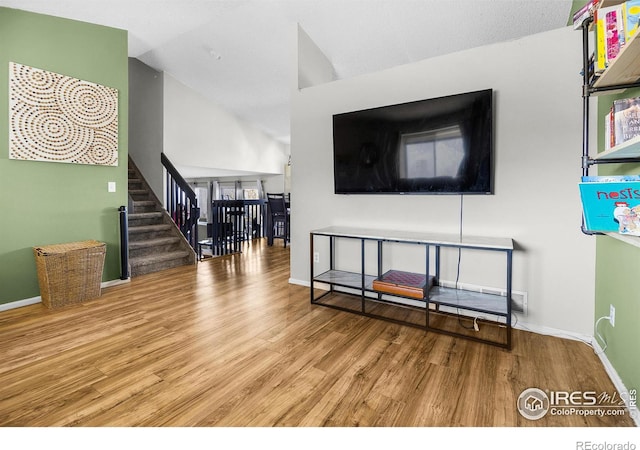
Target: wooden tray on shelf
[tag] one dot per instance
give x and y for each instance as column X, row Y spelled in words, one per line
column 408, row 284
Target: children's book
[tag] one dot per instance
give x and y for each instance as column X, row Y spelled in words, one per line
column 631, row 17
column 610, row 36
column 611, row 203
column 612, row 42
column 609, row 178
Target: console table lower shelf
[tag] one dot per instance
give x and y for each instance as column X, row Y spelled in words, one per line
column 478, row 316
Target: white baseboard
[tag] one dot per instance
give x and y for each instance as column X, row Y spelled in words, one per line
column 20, row 303
column 615, row 379
column 38, row 299
column 299, row 282
column 555, row 332
column 117, row 282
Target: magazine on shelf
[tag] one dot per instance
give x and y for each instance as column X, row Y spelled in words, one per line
column 409, row 284
column 611, row 203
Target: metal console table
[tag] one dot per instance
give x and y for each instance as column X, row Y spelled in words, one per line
column 441, row 301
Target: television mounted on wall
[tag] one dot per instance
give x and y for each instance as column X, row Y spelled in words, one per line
column 440, row 145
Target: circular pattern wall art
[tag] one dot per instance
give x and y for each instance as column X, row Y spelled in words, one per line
column 61, row 119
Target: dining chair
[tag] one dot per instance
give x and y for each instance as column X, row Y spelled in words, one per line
column 279, row 217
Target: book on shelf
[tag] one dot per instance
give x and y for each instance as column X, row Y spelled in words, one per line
column 600, row 47
column 614, row 32
column 611, row 203
column 608, row 130
column 630, row 18
column 584, row 13
column 610, row 35
column 408, row 284
column 609, row 178
column 626, row 119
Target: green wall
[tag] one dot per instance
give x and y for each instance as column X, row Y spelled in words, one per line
column 617, row 275
column 45, row 203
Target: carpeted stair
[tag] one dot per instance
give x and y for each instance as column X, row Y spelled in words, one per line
column 155, row 242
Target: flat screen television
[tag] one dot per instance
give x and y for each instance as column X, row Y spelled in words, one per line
column 436, row 146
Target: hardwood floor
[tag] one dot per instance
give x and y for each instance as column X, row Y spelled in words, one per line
column 231, row 343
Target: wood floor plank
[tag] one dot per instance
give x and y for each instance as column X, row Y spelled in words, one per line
column 435, row 399
column 231, row 343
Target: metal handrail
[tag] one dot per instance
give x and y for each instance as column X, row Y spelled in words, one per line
column 181, row 203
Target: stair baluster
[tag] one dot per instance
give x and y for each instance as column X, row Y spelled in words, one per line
column 182, row 203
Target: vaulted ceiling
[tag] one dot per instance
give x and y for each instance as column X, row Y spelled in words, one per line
column 238, row 53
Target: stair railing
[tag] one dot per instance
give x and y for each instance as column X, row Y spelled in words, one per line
column 181, row 203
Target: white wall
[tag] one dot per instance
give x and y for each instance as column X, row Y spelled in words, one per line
column 198, row 133
column 274, row 184
column 538, row 133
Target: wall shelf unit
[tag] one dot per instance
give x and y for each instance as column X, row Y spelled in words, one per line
column 624, row 69
column 439, row 301
column 631, row 240
column 621, row 74
column 629, row 149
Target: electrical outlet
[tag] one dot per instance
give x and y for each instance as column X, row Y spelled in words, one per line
column 316, row 257
column 612, row 315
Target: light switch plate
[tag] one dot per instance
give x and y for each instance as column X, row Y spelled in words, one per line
column 111, row 185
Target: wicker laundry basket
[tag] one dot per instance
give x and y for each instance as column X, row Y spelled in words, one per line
column 69, row 273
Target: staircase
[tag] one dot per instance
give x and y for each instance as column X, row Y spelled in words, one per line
column 155, row 242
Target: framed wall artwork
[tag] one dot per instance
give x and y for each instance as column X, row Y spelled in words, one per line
column 57, row 118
